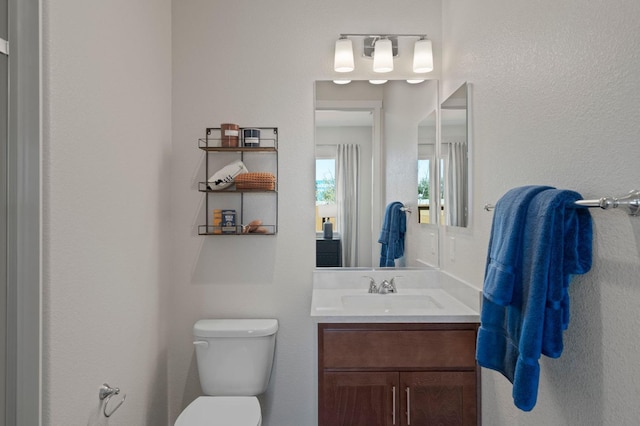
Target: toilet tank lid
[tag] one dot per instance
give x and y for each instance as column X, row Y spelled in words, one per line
column 235, row 327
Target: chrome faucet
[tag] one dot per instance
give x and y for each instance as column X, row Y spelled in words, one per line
column 385, row 286
column 388, row 286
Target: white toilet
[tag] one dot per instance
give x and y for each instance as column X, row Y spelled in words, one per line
column 234, row 358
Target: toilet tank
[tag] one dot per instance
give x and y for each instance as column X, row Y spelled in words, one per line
column 235, row 356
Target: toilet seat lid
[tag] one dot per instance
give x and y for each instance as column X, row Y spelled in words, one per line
column 221, row 410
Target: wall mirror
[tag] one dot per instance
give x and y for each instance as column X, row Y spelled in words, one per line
column 367, row 155
column 454, row 147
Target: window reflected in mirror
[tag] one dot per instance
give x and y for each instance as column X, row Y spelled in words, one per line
column 427, row 136
column 424, row 190
column 326, row 209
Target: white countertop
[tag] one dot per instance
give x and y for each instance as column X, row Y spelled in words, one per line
column 424, row 295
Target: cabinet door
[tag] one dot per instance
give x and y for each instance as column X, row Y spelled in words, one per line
column 438, row 398
column 358, row 399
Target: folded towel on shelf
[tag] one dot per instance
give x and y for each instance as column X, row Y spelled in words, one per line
column 392, row 234
column 555, row 243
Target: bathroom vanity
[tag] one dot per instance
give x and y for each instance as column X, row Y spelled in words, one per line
column 404, row 359
column 397, row 374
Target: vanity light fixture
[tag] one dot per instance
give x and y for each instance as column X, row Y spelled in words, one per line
column 378, row 81
column 382, row 48
column 342, row 81
column 412, row 81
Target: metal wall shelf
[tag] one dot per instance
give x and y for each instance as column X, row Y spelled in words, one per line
column 248, row 201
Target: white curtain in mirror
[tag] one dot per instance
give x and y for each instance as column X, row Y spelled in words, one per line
column 457, row 188
column 347, row 172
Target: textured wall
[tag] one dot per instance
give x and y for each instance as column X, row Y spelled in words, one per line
column 106, row 173
column 255, row 63
column 555, row 98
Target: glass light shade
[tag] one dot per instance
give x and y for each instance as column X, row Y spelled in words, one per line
column 342, row 81
column 423, row 56
column 383, row 56
column 343, row 59
column 414, row 81
column 378, row 81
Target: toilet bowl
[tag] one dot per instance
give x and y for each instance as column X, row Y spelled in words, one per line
column 235, row 358
column 222, row 411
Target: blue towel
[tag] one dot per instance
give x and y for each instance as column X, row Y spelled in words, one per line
column 505, row 243
column 392, row 234
column 555, row 243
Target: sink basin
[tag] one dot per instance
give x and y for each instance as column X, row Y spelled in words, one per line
column 388, row 302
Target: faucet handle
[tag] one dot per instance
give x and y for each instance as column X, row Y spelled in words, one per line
column 373, row 288
column 393, row 282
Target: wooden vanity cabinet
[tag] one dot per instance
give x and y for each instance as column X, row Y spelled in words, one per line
column 397, row 374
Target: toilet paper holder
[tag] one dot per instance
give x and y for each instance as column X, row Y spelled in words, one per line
column 105, row 393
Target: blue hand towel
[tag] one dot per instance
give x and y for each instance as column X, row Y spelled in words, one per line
column 556, row 243
column 392, row 234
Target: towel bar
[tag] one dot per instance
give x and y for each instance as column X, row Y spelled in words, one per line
column 630, row 203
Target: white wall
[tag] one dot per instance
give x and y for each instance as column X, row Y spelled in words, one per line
column 255, row 63
column 106, row 177
column 555, row 98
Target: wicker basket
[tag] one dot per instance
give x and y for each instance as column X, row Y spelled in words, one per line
column 261, row 181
